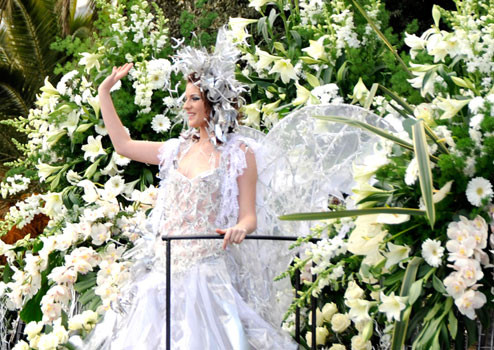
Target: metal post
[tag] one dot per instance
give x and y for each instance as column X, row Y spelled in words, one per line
column 297, row 309
column 168, row 294
column 313, row 307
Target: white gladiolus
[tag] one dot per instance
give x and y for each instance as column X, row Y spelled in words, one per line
column 469, row 301
column 100, row 233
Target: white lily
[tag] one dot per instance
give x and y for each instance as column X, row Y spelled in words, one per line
column 93, row 148
column 392, row 306
column 286, row 70
column 396, row 254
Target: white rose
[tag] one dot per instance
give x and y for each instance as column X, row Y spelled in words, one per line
column 321, row 335
column 337, row 347
column 48, row 342
column 21, row 345
column 32, row 329
column 319, row 318
column 359, row 343
column 340, row 322
column 328, row 311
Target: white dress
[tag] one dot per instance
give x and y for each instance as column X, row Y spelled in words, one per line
column 211, row 304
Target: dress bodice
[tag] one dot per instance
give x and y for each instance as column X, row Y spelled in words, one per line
column 190, row 207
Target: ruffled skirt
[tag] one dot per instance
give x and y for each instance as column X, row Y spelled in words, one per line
column 207, row 313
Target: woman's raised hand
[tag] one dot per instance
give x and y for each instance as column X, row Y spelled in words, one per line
column 116, row 74
column 233, row 234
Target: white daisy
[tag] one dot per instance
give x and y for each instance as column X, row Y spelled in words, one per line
column 432, row 252
column 478, row 189
column 160, row 123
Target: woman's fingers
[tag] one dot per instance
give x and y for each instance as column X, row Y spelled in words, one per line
column 232, row 235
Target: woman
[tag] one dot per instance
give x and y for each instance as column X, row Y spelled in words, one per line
column 208, row 184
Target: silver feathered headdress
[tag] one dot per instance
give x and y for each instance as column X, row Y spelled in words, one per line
column 216, row 78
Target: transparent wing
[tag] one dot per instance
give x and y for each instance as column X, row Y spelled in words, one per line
column 301, row 161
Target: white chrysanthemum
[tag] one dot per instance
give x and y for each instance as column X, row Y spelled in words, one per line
column 478, row 189
column 432, row 252
column 160, row 123
column 158, row 72
column 120, row 160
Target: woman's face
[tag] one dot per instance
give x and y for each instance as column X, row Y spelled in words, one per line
column 195, row 106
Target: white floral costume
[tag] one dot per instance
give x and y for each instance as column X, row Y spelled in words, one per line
column 209, row 303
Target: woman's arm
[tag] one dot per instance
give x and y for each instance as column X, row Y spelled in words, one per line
column 247, row 219
column 141, row 151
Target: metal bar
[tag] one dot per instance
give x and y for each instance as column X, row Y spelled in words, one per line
column 313, row 306
column 254, row 237
column 297, row 309
column 168, row 294
column 169, row 240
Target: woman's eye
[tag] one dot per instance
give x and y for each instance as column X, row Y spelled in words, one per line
column 196, row 98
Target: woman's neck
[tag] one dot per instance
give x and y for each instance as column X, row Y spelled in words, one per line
column 204, row 135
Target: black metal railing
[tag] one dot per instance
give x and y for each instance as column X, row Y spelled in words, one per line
column 313, row 300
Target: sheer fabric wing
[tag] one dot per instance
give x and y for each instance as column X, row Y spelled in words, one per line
column 301, row 161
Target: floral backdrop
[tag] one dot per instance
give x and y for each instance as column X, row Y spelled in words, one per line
column 422, row 277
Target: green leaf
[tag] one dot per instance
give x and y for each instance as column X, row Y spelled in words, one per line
column 438, row 285
column 340, row 74
column 370, row 97
column 313, row 80
column 400, row 328
column 452, row 324
column 85, row 282
column 415, row 291
column 425, row 174
column 347, row 213
column 382, row 37
column 368, row 127
column 408, row 109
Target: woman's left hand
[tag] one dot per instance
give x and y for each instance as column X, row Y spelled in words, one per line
column 233, row 234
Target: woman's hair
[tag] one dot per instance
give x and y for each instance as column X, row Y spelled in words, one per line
column 194, row 78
